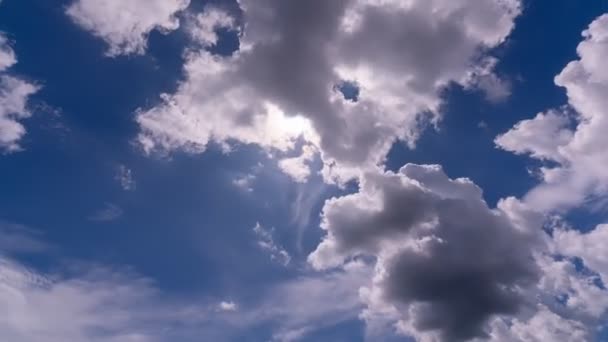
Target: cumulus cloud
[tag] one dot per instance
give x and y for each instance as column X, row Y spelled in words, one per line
column 14, row 94
column 297, row 167
column 570, row 141
column 227, row 306
column 7, row 55
column 446, row 262
column 203, row 26
column 577, row 147
column 544, row 325
column 541, row 137
column 281, row 84
column 125, row 24
column 590, row 247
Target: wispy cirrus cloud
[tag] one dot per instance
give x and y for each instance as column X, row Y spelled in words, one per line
column 109, row 212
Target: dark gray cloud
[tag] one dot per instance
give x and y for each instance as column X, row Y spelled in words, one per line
column 445, row 260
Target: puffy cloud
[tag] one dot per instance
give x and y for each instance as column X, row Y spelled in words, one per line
column 590, row 247
column 14, row 94
column 297, row 167
column 203, row 26
column 7, row 55
column 125, row 24
column 544, row 325
column 228, row 306
column 579, row 151
column 542, row 137
column 571, row 141
column 578, row 292
column 281, row 84
column 446, row 262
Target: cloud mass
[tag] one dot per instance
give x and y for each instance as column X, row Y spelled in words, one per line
column 125, row 24
column 282, row 83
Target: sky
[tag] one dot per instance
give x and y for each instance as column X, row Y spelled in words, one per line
column 278, row 171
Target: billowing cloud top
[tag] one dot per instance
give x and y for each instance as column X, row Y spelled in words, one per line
column 332, row 85
column 283, row 82
column 445, row 260
column 576, row 139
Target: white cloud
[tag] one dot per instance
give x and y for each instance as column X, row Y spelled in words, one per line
column 590, row 247
column 124, row 176
column 274, row 90
column 203, row 26
column 542, row 137
column 265, row 241
column 580, row 151
column 14, row 94
column 573, row 140
column 544, row 325
column 125, row 24
column 483, row 78
column 228, row 306
column 7, row 55
column 297, row 167
column 244, row 182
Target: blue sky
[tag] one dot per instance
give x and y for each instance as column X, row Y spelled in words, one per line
column 183, row 170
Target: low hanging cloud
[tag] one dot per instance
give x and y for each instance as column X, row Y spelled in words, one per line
column 446, row 263
column 572, row 137
column 14, row 94
column 449, row 268
column 125, row 24
column 281, row 85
